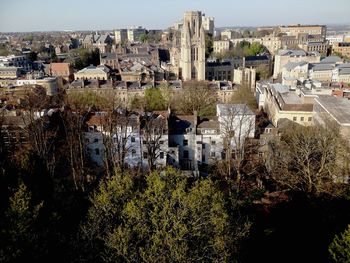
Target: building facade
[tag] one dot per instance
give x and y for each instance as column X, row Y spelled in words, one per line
column 192, row 60
column 342, row 48
column 120, row 36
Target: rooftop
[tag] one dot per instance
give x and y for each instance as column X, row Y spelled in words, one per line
column 321, row 66
column 339, row 109
column 291, row 65
column 93, row 69
column 227, row 109
column 331, row 59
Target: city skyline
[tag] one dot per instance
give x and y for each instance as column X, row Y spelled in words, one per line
column 40, row 15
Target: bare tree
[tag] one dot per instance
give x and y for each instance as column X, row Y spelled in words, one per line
column 196, row 96
column 118, row 127
column 237, row 124
column 153, row 129
column 74, row 127
column 310, row 159
column 42, row 135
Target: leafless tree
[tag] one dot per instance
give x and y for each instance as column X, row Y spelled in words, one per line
column 118, row 128
column 42, row 135
column 310, row 159
column 196, row 96
column 237, row 125
column 153, row 129
column 74, row 126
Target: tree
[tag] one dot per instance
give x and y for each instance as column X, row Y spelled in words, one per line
column 262, row 72
column 246, row 33
column 208, row 45
column 167, row 94
column 144, row 38
column 237, row 126
column 244, row 95
column 255, row 48
column 118, row 127
column 105, row 213
column 19, row 236
column 42, row 135
column 196, row 96
column 87, row 100
column 153, row 129
column 339, row 249
column 154, row 99
column 84, row 57
column 74, row 128
column 137, row 103
column 170, row 219
column 309, row 159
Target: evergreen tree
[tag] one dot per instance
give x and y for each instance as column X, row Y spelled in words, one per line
column 339, row 249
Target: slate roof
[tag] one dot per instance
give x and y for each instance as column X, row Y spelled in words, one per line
column 291, row 65
column 331, row 59
column 321, row 66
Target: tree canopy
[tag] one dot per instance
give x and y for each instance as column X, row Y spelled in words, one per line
column 169, row 219
column 339, row 249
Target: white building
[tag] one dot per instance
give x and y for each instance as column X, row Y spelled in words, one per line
column 120, row 36
column 15, row 61
column 128, row 138
column 208, row 24
column 221, row 46
column 134, row 33
column 285, row 56
column 334, row 39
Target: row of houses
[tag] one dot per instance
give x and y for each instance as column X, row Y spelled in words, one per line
column 186, row 142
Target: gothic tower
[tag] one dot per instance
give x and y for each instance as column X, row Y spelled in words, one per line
column 192, row 61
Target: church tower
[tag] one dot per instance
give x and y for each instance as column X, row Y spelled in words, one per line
column 192, row 61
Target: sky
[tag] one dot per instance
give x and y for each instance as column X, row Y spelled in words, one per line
column 47, row 15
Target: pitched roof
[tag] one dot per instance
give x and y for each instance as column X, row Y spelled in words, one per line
column 291, row 65
column 331, row 59
column 321, row 66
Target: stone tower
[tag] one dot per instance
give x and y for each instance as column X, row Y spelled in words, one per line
column 192, row 60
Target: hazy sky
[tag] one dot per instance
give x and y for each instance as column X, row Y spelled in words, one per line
column 42, row 15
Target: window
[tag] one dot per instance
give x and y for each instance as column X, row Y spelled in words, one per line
column 185, row 142
column 223, row 155
column 203, row 158
column 212, row 154
column 132, row 139
column 186, row 154
column 95, row 140
column 145, row 155
column 309, row 119
column 213, row 142
column 301, row 118
column 87, row 140
column 133, row 152
column 161, row 155
column 294, row 118
column 97, row 151
column 161, row 142
column 203, row 146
